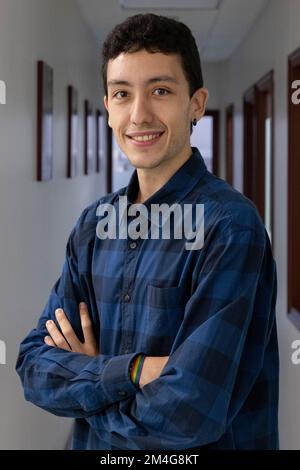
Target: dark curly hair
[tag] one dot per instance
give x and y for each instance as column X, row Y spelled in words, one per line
column 155, row 34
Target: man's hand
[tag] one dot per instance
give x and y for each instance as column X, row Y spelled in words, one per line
column 152, row 368
column 68, row 340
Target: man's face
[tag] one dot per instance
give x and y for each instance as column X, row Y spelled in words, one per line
column 148, row 98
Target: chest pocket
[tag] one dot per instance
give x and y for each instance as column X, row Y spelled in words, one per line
column 164, row 315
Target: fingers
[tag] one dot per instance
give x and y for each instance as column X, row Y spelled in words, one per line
column 66, row 328
column 49, row 341
column 64, row 337
column 86, row 324
column 56, row 336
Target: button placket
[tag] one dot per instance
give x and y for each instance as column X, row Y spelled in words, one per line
column 130, row 259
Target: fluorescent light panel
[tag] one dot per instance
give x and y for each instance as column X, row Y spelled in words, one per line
column 170, row 4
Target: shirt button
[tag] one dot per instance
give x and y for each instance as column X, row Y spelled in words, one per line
column 132, row 245
column 126, row 297
column 122, row 393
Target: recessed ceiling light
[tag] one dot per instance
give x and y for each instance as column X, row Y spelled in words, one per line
column 170, row 4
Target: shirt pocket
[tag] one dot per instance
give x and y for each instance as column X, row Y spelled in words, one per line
column 164, row 315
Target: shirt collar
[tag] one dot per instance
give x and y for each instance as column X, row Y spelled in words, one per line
column 177, row 187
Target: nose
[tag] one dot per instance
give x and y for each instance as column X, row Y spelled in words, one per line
column 141, row 111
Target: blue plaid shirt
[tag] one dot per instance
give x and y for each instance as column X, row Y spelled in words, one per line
column 212, row 310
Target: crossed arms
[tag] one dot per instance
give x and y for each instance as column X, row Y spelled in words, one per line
column 65, row 338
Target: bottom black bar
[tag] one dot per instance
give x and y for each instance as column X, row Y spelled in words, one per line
column 139, row 459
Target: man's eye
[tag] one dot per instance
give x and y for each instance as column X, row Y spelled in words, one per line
column 120, row 94
column 161, row 91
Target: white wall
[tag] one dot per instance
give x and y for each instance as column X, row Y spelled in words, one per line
column 275, row 35
column 36, row 218
column 212, row 79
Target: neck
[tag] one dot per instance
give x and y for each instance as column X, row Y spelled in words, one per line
column 152, row 179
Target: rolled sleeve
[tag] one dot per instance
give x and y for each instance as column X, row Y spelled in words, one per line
column 116, row 380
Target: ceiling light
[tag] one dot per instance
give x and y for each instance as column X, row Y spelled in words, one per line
column 170, row 4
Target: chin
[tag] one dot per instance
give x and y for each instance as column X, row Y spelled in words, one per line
column 145, row 163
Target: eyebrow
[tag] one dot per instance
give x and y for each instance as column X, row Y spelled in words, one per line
column 161, row 78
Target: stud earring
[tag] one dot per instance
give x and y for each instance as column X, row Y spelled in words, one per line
column 194, row 122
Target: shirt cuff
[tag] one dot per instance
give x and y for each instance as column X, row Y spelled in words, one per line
column 116, row 381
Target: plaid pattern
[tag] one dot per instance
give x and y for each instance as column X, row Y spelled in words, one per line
column 212, row 310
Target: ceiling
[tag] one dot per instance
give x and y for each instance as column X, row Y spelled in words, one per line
column 219, row 27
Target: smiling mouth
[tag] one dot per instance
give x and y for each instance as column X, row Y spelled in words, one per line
column 145, row 138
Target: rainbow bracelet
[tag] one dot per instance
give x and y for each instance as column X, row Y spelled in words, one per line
column 136, row 369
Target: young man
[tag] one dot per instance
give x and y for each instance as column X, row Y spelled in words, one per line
column 148, row 344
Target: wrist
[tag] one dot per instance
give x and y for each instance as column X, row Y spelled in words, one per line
column 136, row 369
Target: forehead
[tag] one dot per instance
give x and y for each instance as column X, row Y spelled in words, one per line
column 139, row 66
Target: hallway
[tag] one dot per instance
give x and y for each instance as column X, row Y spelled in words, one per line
column 250, row 53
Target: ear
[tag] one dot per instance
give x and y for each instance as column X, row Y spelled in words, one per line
column 198, row 103
column 105, row 101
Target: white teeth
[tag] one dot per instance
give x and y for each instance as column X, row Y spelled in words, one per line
column 145, row 138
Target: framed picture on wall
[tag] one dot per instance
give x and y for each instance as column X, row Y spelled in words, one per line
column 99, row 139
column 44, row 121
column 72, row 152
column 88, row 138
column 109, row 155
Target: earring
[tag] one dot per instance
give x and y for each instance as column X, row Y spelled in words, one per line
column 194, row 122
